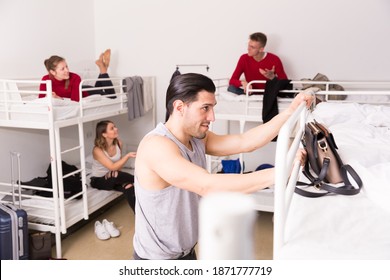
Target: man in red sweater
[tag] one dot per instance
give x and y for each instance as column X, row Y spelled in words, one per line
column 256, row 65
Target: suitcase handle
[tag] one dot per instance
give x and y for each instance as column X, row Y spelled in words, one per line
column 17, row 155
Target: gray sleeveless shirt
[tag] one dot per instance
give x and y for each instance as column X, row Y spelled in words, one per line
column 166, row 221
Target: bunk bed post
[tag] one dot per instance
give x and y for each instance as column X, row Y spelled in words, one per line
column 59, row 179
column 53, row 164
column 82, row 164
column 81, row 98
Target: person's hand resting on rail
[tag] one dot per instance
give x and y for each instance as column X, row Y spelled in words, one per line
column 244, row 86
column 299, row 98
column 268, row 73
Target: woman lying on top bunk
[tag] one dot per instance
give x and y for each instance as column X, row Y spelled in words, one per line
column 65, row 84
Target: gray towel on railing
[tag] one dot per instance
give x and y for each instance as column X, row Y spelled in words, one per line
column 135, row 97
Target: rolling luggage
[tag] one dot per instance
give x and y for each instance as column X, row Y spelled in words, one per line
column 13, row 225
column 13, row 233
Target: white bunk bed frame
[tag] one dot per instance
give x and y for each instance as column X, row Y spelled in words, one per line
column 252, row 112
column 287, row 171
column 60, row 221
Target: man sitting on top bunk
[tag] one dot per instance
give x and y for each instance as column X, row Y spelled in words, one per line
column 256, row 65
column 65, row 84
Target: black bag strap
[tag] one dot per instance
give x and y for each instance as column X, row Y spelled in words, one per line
column 347, row 189
column 319, row 180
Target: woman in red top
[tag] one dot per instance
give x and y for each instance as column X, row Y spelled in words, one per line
column 65, row 84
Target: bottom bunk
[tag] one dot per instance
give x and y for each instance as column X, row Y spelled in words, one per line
column 337, row 226
column 43, row 212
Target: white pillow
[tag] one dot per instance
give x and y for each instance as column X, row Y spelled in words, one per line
column 12, row 91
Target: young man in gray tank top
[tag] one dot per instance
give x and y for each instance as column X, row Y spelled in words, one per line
column 170, row 168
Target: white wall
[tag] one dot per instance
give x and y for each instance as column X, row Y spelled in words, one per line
column 32, row 31
column 343, row 39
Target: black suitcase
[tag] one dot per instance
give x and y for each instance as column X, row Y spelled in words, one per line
column 13, row 233
column 14, row 241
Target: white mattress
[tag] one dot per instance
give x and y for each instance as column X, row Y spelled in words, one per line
column 73, row 209
column 347, row 227
column 40, row 209
column 234, row 104
column 36, row 110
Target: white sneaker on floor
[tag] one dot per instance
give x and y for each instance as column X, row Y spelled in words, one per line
column 110, row 228
column 101, row 231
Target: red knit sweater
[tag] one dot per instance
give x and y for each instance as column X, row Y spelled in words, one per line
column 72, row 91
column 248, row 66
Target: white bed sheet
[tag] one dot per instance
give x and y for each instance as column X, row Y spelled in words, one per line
column 73, row 209
column 230, row 103
column 40, row 209
column 347, row 227
column 36, row 110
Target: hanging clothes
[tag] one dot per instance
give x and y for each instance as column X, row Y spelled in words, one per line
column 135, row 96
column 148, row 93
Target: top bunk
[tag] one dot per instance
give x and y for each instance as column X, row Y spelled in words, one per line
column 250, row 106
column 20, row 106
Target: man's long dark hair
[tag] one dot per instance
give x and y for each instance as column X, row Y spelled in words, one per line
column 185, row 87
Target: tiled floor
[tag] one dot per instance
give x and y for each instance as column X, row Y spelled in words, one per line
column 84, row 245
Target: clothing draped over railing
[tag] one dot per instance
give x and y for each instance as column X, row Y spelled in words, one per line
column 139, row 97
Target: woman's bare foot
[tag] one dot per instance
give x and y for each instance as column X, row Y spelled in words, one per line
column 107, row 57
column 100, row 63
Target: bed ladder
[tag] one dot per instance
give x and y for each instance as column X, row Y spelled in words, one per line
column 61, row 176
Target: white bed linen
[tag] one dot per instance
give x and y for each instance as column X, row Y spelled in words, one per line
column 231, row 103
column 347, row 227
column 73, row 209
column 36, row 110
column 40, row 210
